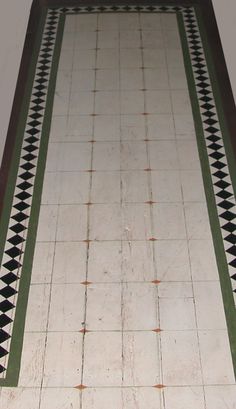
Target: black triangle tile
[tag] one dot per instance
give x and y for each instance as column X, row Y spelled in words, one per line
column 32, row 139
column 30, row 148
column 12, row 265
column 28, row 166
column 6, row 305
column 3, row 352
column 218, row 165
column 227, row 215
column 19, row 217
column 7, row 291
column 13, row 252
column 17, row 228
column 4, row 336
column 232, row 250
column 230, row 227
column 233, row 263
column 9, row 278
column 220, row 175
column 217, row 155
column 16, row 240
column 231, row 238
column 24, row 185
column 224, row 194
column 4, row 320
column 2, row 369
column 26, row 175
column 222, row 184
column 29, row 157
column 21, row 206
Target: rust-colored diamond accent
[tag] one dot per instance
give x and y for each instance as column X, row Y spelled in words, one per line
column 88, row 203
column 159, row 386
column 80, row 387
column 155, row 281
column 152, row 239
column 86, row 282
column 145, row 113
column 87, row 241
column 90, row 170
column 150, row 202
column 157, row 330
column 147, row 170
column 84, row 330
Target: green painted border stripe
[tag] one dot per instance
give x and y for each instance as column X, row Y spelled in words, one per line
column 225, row 281
column 20, row 316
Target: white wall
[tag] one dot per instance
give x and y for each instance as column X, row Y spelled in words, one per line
column 13, row 22
column 226, row 19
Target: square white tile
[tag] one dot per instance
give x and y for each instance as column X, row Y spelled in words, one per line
column 136, row 222
column 137, row 261
column 172, row 260
column 106, row 156
column 104, row 261
column 72, row 223
column 105, row 222
column 69, row 262
column 168, row 219
column 135, row 187
column 105, row 187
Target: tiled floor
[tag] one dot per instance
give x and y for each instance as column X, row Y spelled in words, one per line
column 125, row 308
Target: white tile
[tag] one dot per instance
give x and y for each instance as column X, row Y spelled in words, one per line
column 107, row 58
column 197, row 222
column 180, row 358
column 153, row 41
column 141, row 362
column 177, row 314
column 188, row 155
column 108, row 21
column 20, row 398
column 184, row 126
column 85, row 40
column 192, row 186
column 103, row 307
column 169, row 21
column 107, row 127
column 42, row 263
column 103, row 359
column 131, row 78
column 105, row 187
column 139, row 306
column 209, row 305
column 150, row 21
column 72, row 223
column 106, row 156
column 203, row 261
column 174, row 58
column 132, row 127
column 163, row 155
column 156, row 78
column 137, row 261
column 168, row 221
column 104, row 262
column 83, row 80
column 97, row 398
column 133, row 155
column 73, row 128
column 69, row 263
column 145, row 397
column 37, row 308
column 107, row 102
column 184, row 397
column 31, row 370
column 65, row 188
column 130, row 38
column 128, row 21
column 160, row 126
column 84, row 59
column 166, row 186
column 181, row 102
column 158, row 102
column 175, row 290
column 85, row 22
column 69, row 26
column 105, row 222
column 130, row 58
column 136, row 222
column 66, row 371
column 154, row 59
column 59, row 398
column 219, row 396
column 107, row 80
column 63, row 82
column 216, row 358
column 132, row 102
column 171, row 40
column 61, row 103
column 108, row 39
column 81, row 102
column 47, row 223
column 135, row 187
column 66, row 307
column 177, row 78
column 66, row 59
column 68, row 157
column 172, row 260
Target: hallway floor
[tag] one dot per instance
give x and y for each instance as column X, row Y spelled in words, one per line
column 125, row 307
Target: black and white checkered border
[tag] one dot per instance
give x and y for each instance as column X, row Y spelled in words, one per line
column 13, row 256
column 16, row 238
column 218, row 163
